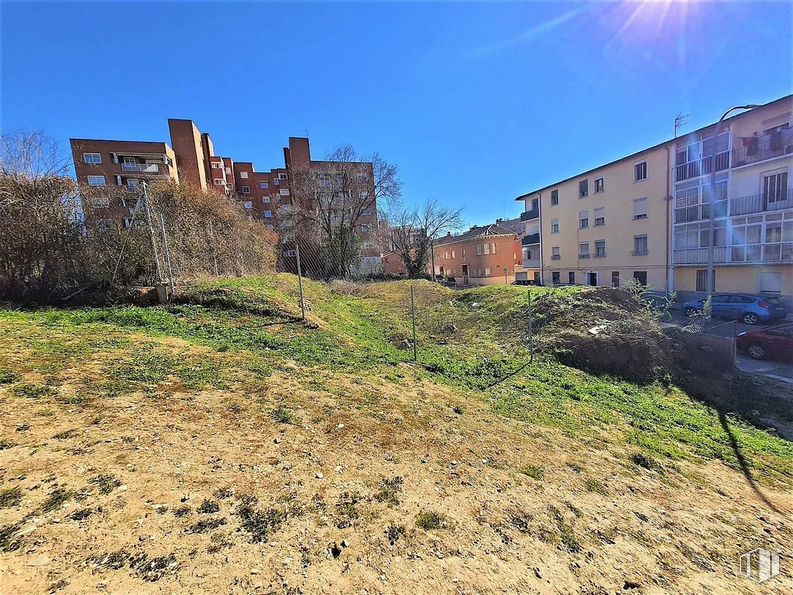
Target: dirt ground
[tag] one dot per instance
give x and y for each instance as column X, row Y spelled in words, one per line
column 175, row 490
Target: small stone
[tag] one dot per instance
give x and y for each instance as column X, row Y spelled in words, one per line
column 277, row 441
column 344, row 543
column 537, row 572
column 39, row 561
column 319, row 476
column 255, row 571
column 340, row 426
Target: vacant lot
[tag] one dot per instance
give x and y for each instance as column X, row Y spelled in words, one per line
column 216, row 445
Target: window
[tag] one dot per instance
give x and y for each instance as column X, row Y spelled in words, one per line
column 493, row 247
column 583, row 188
column 92, row 158
column 487, row 272
column 479, row 249
column 446, row 255
column 269, row 227
column 583, row 250
column 641, row 277
column 275, row 181
column 600, row 216
column 244, row 175
column 367, row 212
column 264, row 185
column 268, row 214
column 615, row 278
column 228, row 170
column 216, row 165
column 487, row 248
column 775, row 187
column 555, row 225
column 101, row 202
column 266, row 199
column 284, row 191
column 340, row 180
column 365, row 229
column 702, row 280
column 131, row 183
column 600, row 185
column 640, row 171
column 218, row 182
column 246, row 189
column 640, row 208
column 555, row 255
column 463, row 252
column 282, row 176
column 247, row 204
column 554, row 197
column 583, row 219
column 453, row 254
column 769, row 282
column 96, row 180
column 640, row 245
column 556, row 277
column 600, row 248
column 571, row 277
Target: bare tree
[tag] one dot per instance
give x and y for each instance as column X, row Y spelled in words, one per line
column 332, row 199
column 415, row 229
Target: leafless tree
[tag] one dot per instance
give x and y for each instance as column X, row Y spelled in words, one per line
column 331, row 199
column 414, row 230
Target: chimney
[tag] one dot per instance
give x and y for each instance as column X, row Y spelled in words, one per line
column 499, row 220
column 448, row 234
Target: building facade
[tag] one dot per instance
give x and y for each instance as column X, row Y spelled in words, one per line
column 484, row 255
column 601, row 227
column 753, row 206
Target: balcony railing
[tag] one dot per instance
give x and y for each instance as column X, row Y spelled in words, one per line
column 530, row 214
column 533, row 238
column 699, row 212
column 699, row 255
column 702, row 166
column 531, row 263
column 753, row 149
column 143, row 168
column 759, row 203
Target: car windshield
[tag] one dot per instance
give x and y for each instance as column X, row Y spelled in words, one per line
column 773, row 300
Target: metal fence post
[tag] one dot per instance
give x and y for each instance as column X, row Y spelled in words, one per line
column 167, row 254
column 531, row 332
column 151, row 234
column 300, row 282
column 413, row 314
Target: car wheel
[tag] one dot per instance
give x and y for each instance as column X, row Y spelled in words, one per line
column 690, row 311
column 750, row 318
column 756, row 351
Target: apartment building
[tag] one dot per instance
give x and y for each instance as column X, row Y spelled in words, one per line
column 601, row 227
column 753, row 203
column 484, row 255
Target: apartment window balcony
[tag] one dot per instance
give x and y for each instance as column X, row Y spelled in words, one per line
column 556, row 256
column 760, row 203
column 778, row 252
column 701, row 167
column 533, row 238
column 699, row 255
column 753, row 149
column 700, row 211
column 583, row 256
column 533, row 263
column 530, row 214
column 143, row 168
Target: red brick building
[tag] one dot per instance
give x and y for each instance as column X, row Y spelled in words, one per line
column 484, row 255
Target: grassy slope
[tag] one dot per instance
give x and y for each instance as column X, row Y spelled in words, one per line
column 59, row 360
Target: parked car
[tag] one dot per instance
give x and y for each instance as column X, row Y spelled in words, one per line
column 526, row 282
column 749, row 309
column 768, row 343
column 451, row 282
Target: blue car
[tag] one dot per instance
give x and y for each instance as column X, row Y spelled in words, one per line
column 749, row 309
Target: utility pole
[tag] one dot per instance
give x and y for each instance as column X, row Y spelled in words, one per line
column 151, row 233
column 711, row 281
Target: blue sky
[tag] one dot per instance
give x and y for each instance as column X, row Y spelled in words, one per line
column 475, row 102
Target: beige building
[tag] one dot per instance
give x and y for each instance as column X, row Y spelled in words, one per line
column 601, row 227
column 646, row 216
column 753, row 247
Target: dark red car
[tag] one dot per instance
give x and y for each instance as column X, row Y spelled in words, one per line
column 769, row 343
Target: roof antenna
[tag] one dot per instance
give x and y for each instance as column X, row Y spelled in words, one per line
column 305, row 132
column 680, row 121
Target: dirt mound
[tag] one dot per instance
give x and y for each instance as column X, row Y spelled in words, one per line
column 226, row 298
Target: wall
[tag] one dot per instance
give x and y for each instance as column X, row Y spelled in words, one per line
column 187, row 144
column 620, row 227
column 735, row 279
column 465, row 253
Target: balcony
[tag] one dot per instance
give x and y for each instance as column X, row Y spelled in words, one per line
column 700, row 211
column 760, row 203
column 530, row 239
column 699, row 255
column 782, row 252
column 701, row 167
column 530, row 214
column 754, row 149
column 531, row 263
column 151, row 169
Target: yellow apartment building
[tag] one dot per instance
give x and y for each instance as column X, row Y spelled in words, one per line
column 602, row 227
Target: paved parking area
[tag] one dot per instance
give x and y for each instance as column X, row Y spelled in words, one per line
column 775, row 370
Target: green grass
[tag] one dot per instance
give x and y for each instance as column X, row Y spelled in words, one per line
column 10, row 497
column 9, row 377
column 596, row 486
column 533, row 471
column 246, row 321
column 57, row 498
column 431, row 520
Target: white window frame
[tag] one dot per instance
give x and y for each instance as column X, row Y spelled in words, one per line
column 583, row 253
column 217, row 165
column 602, row 217
column 247, row 204
column 275, row 182
column 479, row 249
column 554, row 197
column 639, row 201
column 267, row 214
column 602, row 181
column 646, row 171
column 265, row 199
column 487, row 248
column 264, row 185
column 244, row 175
column 245, row 189
column 218, row 182
column 93, row 179
column 646, row 244
column 555, row 225
column 228, row 170
column 583, row 219
column 556, row 253
column 598, row 253
column 97, row 155
column 284, row 192
column 488, row 272
column 365, row 229
column 282, row 176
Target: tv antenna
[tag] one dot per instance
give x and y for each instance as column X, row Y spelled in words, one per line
column 680, row 121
